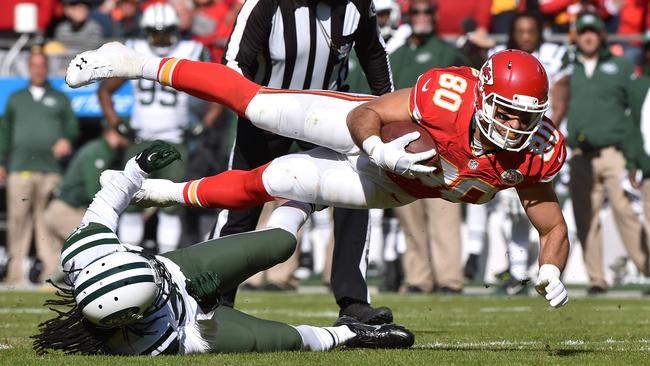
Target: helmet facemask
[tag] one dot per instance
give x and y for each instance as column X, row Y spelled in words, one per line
column 527, row 109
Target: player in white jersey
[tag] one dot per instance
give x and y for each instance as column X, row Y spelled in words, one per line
column 159, row 113
column 121, row 301
column 526, row 34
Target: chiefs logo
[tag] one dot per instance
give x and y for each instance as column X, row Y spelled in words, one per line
column 486, row 73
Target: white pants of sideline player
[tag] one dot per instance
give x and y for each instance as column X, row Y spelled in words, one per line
column 336, row 174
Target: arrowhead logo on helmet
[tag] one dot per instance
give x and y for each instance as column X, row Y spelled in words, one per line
column 486, row 73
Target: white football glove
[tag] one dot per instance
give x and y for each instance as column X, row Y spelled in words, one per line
column 153, row 193
column 393, row 157
column 550, row 286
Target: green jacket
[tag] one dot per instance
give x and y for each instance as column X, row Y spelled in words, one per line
column 81, row 179
column 356, row 79
column 409, row 62
column 29, row 129
column 597, row 106
column 635, row 154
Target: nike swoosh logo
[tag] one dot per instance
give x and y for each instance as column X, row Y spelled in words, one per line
column 151, row 156
column 559, row 158
column 425, row 87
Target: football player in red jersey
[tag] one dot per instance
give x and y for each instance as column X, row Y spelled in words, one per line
column 489, row 128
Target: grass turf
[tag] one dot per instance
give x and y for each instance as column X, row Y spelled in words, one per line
column 450, row 330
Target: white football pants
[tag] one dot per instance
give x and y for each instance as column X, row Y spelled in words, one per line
column 336, row 174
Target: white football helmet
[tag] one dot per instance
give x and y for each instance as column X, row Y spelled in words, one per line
column 117, row 289
column 160, row 23
column 388, row 5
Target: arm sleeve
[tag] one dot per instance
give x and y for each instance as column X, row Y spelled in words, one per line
column 249, row 35
column 115, row 196
column 6, row 125
column 371, row 51
column 70, row 124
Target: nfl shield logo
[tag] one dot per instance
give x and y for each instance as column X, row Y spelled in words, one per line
column 472, row 164
column 512, row 177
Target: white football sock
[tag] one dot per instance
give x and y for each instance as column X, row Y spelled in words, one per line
column 150, row 68
column 290, row 216
column 320, row 339
column 518, row 256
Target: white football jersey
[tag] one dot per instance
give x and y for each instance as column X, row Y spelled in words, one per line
column 160, row 112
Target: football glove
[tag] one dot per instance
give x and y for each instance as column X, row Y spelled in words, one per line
column 157, row 156
column 550, row 286
column 392, row 156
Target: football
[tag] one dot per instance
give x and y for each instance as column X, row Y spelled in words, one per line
column 392, row 131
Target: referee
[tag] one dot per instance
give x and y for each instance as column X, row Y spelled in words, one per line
column 305, row 44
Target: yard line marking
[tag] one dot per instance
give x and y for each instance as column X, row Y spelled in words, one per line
column 507, row 344
column 5, row 346
column 304, row 314
column 24, row 311
column 500, row 343
column 506, row 309
column 577, row 342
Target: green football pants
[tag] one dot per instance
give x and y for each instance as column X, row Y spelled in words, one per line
column 234, row 258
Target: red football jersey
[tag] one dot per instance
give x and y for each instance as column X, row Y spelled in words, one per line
column 442, row 101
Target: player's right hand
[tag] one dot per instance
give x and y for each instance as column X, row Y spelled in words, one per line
column 392, row 156
column 157, row 156
column 550, row 286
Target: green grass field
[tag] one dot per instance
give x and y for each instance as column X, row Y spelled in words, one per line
column 450, row 330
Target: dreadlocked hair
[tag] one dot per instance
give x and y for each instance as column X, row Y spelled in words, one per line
column 69, row 331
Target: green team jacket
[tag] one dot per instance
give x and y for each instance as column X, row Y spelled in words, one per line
column 30, row 128
column 407, row 63
column 410, row 62
column 597, row 106
column 635, row 155
column 81, row 179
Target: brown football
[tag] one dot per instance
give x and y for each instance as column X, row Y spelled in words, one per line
column 425, row 142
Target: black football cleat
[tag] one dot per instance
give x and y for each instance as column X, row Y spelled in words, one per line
column 471, row 267
column 364, row 313
column 376, row 336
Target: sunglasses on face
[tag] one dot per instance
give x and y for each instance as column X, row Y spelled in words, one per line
column 415, row 11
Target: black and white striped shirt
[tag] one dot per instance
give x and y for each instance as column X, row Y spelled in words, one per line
column 304, row 44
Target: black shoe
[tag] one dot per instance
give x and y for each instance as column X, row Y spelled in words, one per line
column 596, row 290
column 414, row 290
column 376, row 336
column 445, row 290
column 471, row 267
column 366, row 314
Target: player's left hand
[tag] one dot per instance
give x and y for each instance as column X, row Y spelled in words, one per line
column 550, row 286
column 157, row 156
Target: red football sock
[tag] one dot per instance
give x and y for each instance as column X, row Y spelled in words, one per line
column 208, row 81
column 232, row 189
